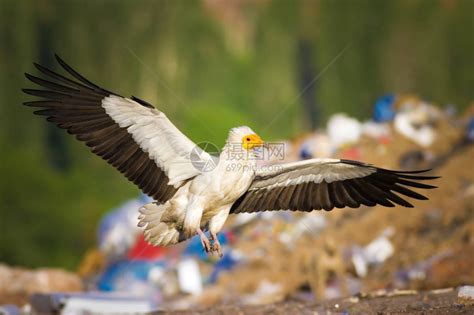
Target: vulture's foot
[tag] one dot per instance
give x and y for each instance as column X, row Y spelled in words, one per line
column 206, row 245
column 216, row 246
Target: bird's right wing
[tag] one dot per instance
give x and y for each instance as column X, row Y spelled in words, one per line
column 129, row 133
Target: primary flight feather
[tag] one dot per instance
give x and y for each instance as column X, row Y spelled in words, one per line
column 143, row 144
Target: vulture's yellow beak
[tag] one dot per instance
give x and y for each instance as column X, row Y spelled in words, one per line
column 252, row 141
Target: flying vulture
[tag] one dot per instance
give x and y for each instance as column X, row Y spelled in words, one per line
column 144, row 145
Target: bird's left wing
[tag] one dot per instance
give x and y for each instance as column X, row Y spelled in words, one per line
column 327, row 183
column 129, row 133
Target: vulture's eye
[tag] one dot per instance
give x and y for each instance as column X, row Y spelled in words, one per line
column 248, row 139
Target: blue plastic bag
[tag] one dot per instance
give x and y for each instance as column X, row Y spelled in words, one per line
column 384, row 110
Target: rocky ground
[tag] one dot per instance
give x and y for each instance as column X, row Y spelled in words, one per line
column 443, row 301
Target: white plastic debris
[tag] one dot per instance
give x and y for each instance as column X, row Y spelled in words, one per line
column 375, row 253
column 189, row 276
column 375, row 130
column 343, row 129
column 414, row 122
column 378, row 250
column 266, row 292
column 101, row 303
column 359, row 262
column 466, row 292
column 316, row 145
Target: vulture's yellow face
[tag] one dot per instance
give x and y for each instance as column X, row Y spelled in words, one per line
column 252, row 141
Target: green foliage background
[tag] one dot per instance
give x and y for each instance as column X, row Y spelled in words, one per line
column 209, row 71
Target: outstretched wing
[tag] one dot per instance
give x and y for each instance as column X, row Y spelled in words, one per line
column 129, row 133
column 327, row 183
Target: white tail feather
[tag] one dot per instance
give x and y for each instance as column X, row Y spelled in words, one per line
column 156, row 232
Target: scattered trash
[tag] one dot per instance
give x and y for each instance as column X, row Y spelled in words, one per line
column 469, row 135
column 189, row 276
column 267, row 292
column 466, row 294
column 384, row 109
column 142, row 250
column 378, row 131
column 375, row 253
column 118, row 230
column 316, row 145
column 89, row 303
column 416, row 122
column 343, row 130
column 306, row 151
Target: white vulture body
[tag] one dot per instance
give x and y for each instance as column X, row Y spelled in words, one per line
column 143, row 144
column 202, row 203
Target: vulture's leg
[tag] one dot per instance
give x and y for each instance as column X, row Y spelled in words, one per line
column 216, row 246
column 206, row 245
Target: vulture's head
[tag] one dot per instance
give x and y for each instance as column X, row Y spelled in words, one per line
column 245, row 137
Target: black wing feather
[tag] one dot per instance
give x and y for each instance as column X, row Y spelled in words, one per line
column 384, row 187
column 77, row 107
